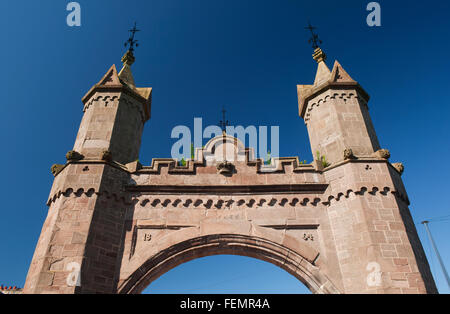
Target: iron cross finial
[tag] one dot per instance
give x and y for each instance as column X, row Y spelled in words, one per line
column 131, row 42
column 314, row 40
column 223, row 123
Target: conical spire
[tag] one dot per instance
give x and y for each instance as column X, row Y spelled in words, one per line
column 123, row 82
column 323, row 72
column 125, row 74
column 325, row 79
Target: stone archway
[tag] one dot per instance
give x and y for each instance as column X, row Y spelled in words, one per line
column 294, row 262
column 123, row 224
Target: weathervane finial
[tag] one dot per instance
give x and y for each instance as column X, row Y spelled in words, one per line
column 131, row 42
column 314, row 40
column 128, row 58
column 223, row 123
column 318, row 55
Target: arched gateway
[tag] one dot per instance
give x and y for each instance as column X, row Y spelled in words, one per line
column 114, row 225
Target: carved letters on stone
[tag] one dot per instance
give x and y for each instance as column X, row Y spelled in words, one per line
column 308, row 236
column 147, row 237
column 306, row 232
column 146, row 232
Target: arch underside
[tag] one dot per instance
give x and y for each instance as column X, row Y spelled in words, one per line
column 244, row 245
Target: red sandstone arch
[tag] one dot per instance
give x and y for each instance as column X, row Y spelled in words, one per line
column 294, row 261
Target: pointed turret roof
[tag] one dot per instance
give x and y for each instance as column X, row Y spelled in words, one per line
column 124, row 82
column 325, row 79
column 323, row 72
column 110, row 78
column 125, row 74
column 339, row 75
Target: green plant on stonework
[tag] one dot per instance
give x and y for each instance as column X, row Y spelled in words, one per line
column 303, row 162
column 183, row 161
column 268, row 160
column 322, row 159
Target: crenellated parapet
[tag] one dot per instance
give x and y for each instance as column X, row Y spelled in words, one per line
column 330, row 95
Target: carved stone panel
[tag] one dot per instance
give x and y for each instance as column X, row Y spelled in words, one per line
column 147, row 232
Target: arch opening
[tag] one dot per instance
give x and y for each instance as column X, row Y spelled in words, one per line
column 226, row 274
column 227, row 244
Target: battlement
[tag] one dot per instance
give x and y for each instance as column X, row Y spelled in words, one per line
column 10, row 290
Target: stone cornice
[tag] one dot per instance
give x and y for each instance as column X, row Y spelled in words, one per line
column 359, row 159
column 361, row 189
column 249, row 197
column 279, row 166
column 229, row 189
column 146, row 103
column 310, row 93
column 95, row 162
column 88, row 192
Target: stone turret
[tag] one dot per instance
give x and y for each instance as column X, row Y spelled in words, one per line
column 114, row 115
column 376, row 243
column 80, row 241
column 335, row 111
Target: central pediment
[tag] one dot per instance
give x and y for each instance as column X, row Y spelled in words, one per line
column 225, row 148
column 229, row 153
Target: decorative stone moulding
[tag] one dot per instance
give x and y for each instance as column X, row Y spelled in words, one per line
column 399, row 167
column 383, row 153
column 55, row 169
column 225, row 168
column 319, row 55
column 134, row 166
column 348, row 154
column 107, row 156
column 74, row 156
column 128, row 58
column 248, row 202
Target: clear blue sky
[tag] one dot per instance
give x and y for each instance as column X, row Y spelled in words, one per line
column 199, row 55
